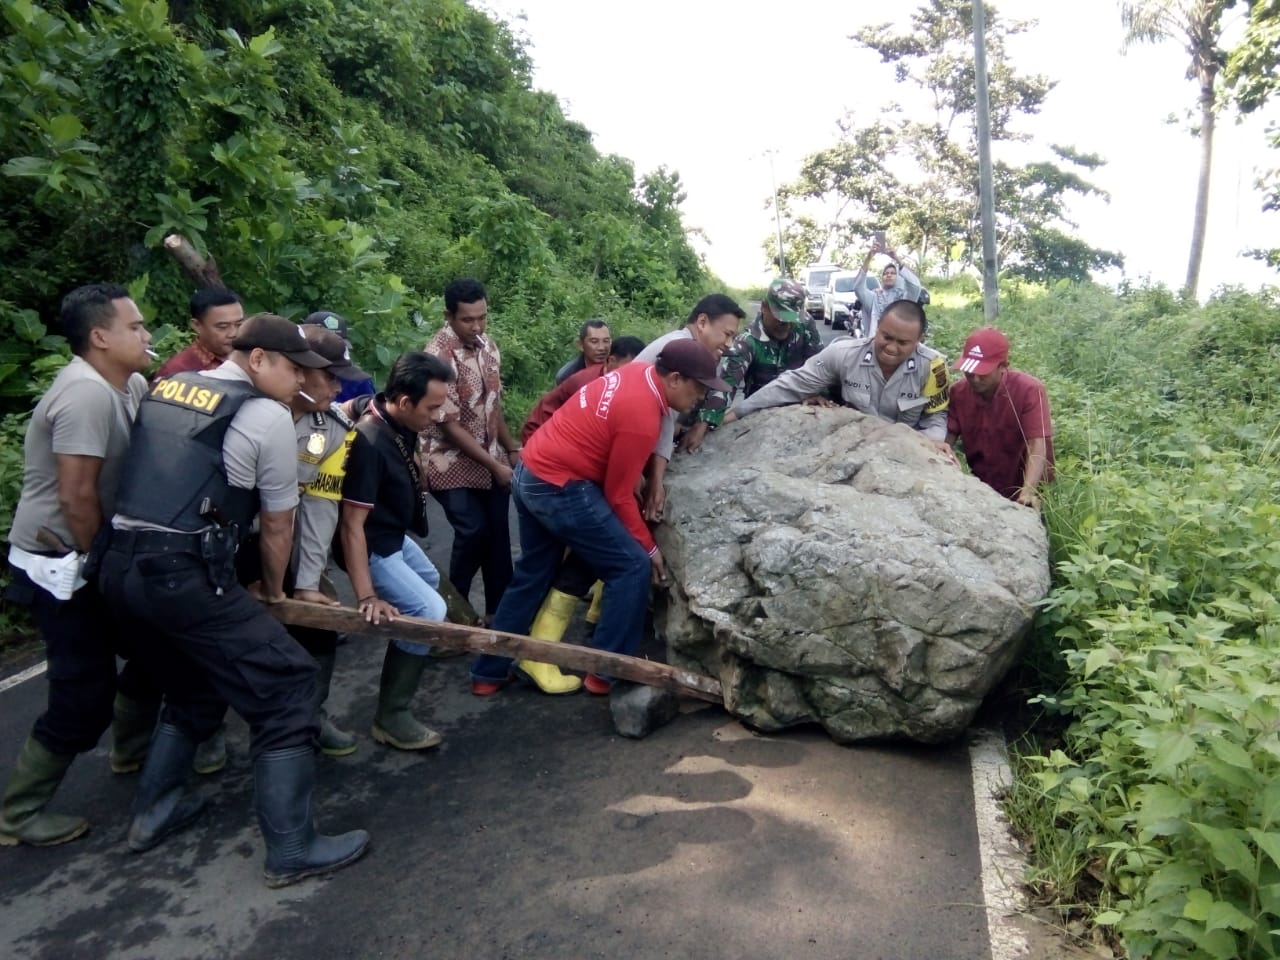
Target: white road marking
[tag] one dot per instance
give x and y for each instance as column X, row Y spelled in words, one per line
column 1002, row 863
column 25, row 675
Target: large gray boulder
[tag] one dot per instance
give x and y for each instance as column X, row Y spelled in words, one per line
column 831, row 567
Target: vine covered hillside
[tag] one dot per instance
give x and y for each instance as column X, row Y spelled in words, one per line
column 1151, row 793
column 331, row 154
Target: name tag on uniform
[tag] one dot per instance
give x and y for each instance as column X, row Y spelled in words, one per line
column 181, row 394
column 908, row 402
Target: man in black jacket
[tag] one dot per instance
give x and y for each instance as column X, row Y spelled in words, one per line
column 383, row 501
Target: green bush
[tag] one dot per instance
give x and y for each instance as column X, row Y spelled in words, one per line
column 1159, row 806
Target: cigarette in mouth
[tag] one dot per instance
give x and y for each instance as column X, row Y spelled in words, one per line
column 151, row 353
column 306, row 396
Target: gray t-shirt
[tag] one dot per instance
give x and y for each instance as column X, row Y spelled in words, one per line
column 666, row 442
column 80, row 415
column 259, row 450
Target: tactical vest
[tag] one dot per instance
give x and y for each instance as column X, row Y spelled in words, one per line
column 174, row 476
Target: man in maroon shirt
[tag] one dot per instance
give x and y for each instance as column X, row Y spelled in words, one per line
column 621, row 352
column 1001, row 418
column 216, row 315
column 575, row 487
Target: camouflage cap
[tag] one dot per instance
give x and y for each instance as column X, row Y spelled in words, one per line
column 786, row 300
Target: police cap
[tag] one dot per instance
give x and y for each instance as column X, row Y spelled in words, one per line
column 334, row 349
column 271, row 332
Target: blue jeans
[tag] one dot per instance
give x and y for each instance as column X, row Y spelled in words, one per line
column 578, row 516
column 408, row 580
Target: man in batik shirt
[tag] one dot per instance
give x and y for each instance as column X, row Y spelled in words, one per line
column 470, row 453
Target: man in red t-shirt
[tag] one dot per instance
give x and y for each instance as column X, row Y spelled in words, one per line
column 621, row 352
column 1001, row 418
column 575, row 487
column 575, row 579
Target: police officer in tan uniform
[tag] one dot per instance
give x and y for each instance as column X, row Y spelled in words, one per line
column 891, row 375
column 325, row 434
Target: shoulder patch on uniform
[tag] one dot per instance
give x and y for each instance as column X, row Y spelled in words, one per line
column 938, row 376
column 189, row 395
column 336, row 411
column 937, row 385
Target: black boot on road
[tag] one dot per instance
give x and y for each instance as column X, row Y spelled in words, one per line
column 284, row 780
column 163, row 805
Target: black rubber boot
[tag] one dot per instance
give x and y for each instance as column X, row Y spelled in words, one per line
column 163, row 806
column 284, row 780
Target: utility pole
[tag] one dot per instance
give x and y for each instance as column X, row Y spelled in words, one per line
column 777, row 215
column 986, row 189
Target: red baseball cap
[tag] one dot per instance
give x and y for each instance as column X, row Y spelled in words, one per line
column 985, row 350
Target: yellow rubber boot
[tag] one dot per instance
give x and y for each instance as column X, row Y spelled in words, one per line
column 550, row 624
column 593, row 612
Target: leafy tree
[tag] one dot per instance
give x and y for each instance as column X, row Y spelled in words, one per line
column 1253, row 74
column 1197, row 24
column 1253, row 65
column 917, row 177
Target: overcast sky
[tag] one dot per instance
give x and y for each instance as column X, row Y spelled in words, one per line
column 707, row 86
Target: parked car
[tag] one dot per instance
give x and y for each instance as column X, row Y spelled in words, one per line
column 815, row 277
column 842, row 300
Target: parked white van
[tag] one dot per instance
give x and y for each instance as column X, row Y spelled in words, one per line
column 815, row 277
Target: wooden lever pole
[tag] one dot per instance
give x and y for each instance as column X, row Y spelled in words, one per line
column 479, row 640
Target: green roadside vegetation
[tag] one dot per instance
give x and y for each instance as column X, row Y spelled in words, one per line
column 1148, row 784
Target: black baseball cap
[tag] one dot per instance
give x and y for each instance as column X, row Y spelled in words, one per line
column 334, row 349
column 329, row 320
column 689, row 357
column 268, row 331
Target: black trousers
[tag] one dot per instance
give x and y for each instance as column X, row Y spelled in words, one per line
column 209, row 650
column 481, row 540
column 82, row 640
column 575, row 576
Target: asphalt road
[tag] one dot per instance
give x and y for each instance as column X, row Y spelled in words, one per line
column 534, row 831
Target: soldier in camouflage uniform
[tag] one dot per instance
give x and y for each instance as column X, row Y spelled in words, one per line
column 891, row 375
column 782, row 337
